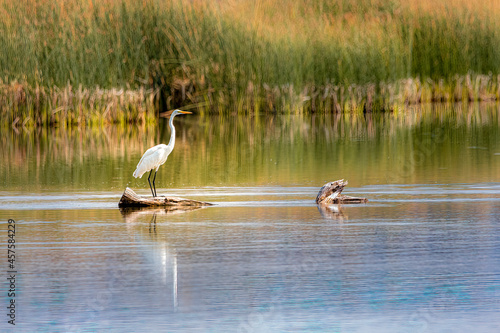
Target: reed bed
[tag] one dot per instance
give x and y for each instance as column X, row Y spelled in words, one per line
column 22, row 104
column 242, row 56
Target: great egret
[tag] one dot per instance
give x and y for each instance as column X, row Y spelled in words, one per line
column 157, row 155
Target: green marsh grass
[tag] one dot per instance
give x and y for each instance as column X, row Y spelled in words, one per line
column 23, row 104
column 243, row 56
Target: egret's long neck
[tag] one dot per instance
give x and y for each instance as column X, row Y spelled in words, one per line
column 172, row 132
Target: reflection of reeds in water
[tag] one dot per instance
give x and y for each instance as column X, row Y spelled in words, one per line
column 280, row 149
column 242, row 56
column 255, row 150
column 310, row 128
column 73, row 155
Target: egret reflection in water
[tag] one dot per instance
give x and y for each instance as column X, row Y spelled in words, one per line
column 161, row 256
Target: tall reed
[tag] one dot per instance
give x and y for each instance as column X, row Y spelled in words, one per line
column 274, row 55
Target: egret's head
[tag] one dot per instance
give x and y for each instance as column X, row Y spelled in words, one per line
column 176, row 112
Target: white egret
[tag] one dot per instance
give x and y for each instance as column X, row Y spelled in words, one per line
column 155, row 156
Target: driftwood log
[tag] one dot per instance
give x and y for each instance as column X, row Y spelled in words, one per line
column 330, row 194
column 131, row 199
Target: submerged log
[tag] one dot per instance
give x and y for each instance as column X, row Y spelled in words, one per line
column 330, row 194
column 131, row 199
column 137, row 215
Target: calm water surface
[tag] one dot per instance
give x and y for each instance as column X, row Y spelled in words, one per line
column 422, row 256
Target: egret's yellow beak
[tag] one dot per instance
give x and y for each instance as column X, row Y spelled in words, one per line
column 186, row 112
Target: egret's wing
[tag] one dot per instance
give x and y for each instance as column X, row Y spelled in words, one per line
column 149, row 160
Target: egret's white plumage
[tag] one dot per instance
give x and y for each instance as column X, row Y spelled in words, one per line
column 152, row 159
column 155, row 156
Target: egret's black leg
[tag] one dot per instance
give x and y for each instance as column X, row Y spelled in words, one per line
column 153, row 223
column 150, row 183
column 154, row 186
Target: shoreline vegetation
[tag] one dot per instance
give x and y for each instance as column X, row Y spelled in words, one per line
column 121, row 61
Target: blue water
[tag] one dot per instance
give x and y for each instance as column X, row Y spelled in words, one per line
column 416, row 258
